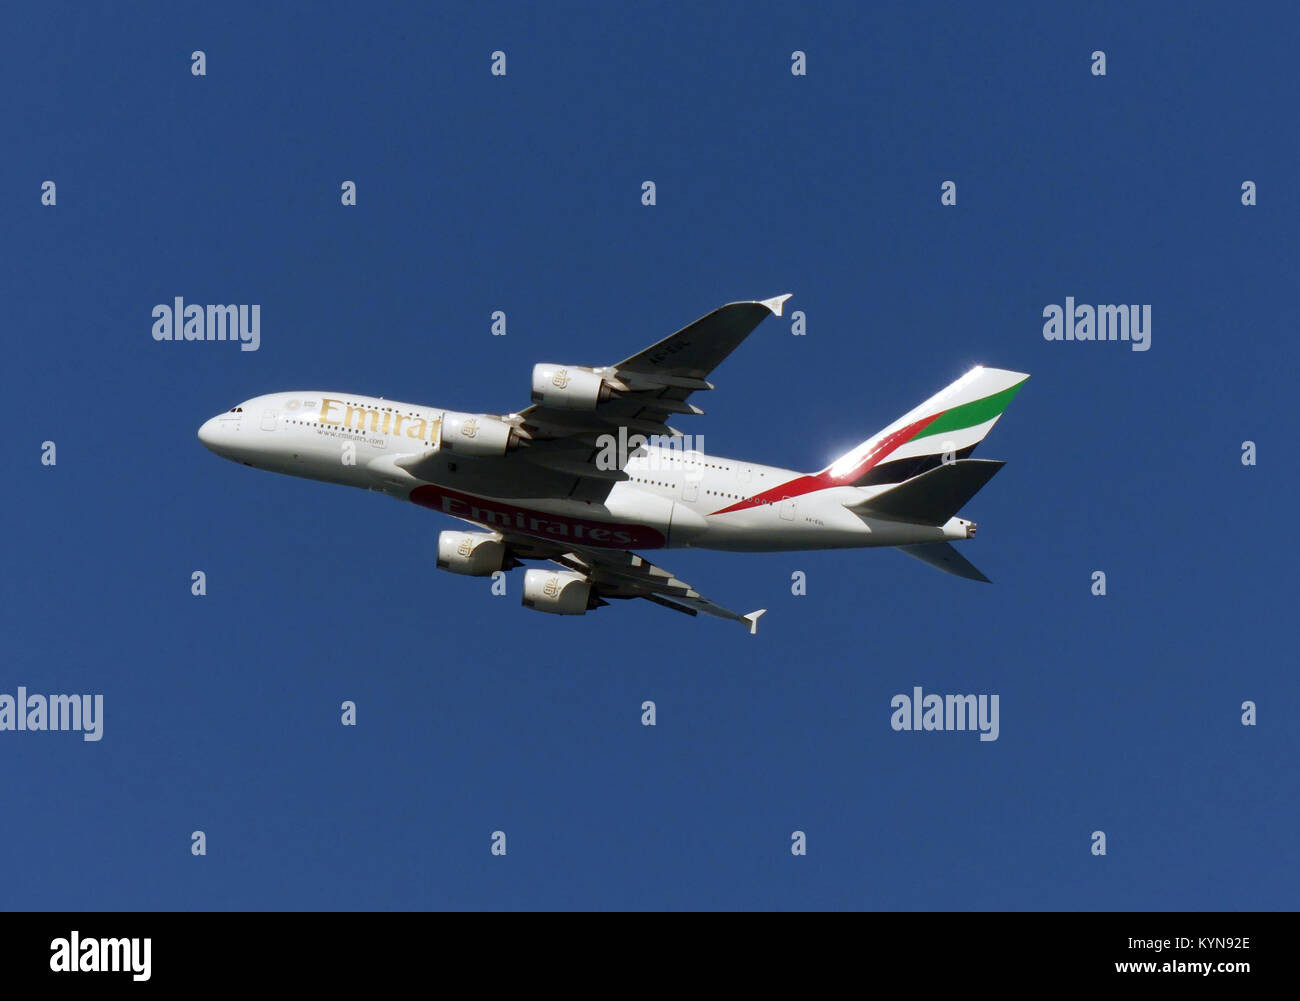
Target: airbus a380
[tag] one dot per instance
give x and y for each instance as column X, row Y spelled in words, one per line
column 592, row 471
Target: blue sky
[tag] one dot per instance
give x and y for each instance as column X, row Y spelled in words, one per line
column 477, row 193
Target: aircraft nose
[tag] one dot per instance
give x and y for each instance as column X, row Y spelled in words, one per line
column 217, row 433
column 208, row 433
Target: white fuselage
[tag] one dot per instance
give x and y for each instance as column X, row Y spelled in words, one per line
column 671, row 498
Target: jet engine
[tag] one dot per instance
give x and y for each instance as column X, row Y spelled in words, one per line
column 478, row 434
column 474, row 554
column 569, row 388
column 560, row 592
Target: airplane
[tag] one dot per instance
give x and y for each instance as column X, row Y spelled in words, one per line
column 591, row 471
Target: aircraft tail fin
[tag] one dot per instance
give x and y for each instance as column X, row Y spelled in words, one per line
column 945, row 427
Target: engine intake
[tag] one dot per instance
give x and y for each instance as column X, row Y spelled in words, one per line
column 478, row 434
column 474, row 554
column 560, row 592
column 569, row 388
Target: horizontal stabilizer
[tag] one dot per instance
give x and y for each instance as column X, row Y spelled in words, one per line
column 933, row 497
column 943, row 556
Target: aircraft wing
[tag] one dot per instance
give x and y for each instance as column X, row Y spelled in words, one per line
column 620, row 574
column 645, row 390
column 695, row 351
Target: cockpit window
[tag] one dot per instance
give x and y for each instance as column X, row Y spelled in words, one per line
column 236, row 410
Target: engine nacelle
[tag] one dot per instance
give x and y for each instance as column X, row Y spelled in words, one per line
column 474, row 554
column 478, row 434
column 569, row 388
column 560, row 592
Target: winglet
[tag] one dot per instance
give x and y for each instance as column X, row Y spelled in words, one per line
column 752, row 617
column 776, row 303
